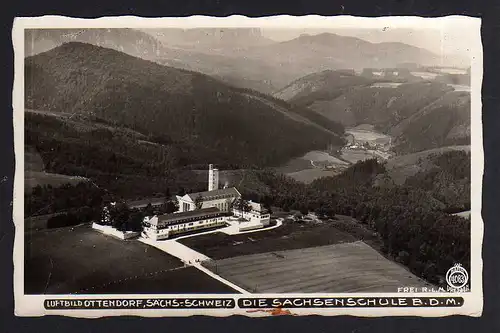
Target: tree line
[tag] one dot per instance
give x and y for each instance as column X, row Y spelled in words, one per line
column 413, row 228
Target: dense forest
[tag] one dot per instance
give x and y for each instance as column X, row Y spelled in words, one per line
column 419, row 114
column 130, row 163
column 449, row 180
column 414, row 229
column 198, row 115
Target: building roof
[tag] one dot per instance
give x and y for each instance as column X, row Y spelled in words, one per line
column 168, row 219
column 257, row 207
column 143, row 203
column 222, row 193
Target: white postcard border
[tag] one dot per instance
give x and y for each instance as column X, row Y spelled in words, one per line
column 32, row 305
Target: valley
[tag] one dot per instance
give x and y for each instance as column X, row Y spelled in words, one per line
column 362, row 143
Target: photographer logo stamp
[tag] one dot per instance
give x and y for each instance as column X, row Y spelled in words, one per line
column 457, row 277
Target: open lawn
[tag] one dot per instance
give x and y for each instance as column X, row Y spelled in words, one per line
column 310, row 175
column 291, row 235
column 340, row 268
column 34, row 178
column 362, row 135
column 81, row 260
column 34, row 173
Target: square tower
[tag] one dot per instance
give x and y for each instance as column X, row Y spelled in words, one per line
column 213, row 178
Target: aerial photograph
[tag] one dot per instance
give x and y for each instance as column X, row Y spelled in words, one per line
column 245, row 160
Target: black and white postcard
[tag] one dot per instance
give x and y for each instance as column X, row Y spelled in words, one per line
column 250, row 166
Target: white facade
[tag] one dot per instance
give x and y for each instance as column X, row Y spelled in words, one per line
column 155, row 230
column 257, row 214
column 108, row 230
column 213, row 178
column 186, row 203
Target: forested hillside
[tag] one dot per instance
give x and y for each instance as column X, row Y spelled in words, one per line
column 446, row 122
column 191, row 112
column 407, row 217
column 418, row 114
column 325, row 85
column 129, row 41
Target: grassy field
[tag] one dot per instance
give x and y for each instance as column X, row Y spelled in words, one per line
column 354, row 156
column 34, row 178
column 363, row 135
column 34, row 173
column 309, row 175
column 38, row 222
column 312, row 166
column 81, row 260
column 340, row 268
column 291, row 235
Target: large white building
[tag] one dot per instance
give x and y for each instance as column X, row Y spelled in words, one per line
column 220, row 198
column 165, row 226
column 208, row 209
column 256, row 214
column 214, row 197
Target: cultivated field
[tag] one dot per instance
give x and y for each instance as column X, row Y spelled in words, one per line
column 81, row 260
column 321, row 156
column 291, row 235
column 340, row 268
column 386, row 85
column 368, row 136
column 354, row 156
column 309, row 175
column 312, row 166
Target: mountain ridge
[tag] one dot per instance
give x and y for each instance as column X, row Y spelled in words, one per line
column 268, row 66
column 419, row 114
column 186, row 107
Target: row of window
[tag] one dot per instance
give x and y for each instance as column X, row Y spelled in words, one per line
column 183, row 225
column 222, row 206
column 186, row 220
column 183, row 229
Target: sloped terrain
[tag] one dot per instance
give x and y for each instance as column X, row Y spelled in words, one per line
column 199, row 113
column 418, row 114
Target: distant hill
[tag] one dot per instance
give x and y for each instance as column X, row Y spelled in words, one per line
column 171, row 47
column 130, row 41
column 444, row 122
column 210, row 40
column 417, row 113
column 240, row 57
column 324, row 85
column 313, row 53
column 402, row 167
column 444, row 172
column 210, row 120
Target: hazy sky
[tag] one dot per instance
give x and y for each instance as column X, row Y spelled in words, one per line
column 446, row 40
